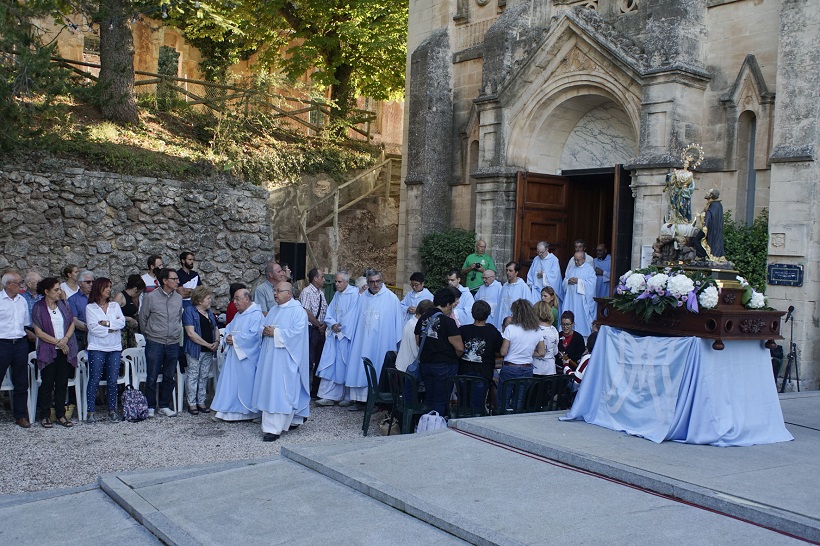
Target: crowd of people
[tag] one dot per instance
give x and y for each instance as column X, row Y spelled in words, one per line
column 277, row 352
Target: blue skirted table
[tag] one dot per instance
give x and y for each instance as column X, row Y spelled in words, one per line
column 679, row 388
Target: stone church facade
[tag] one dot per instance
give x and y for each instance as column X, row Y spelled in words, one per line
column 587, row 92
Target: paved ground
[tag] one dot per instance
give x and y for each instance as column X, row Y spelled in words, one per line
column 527, row 479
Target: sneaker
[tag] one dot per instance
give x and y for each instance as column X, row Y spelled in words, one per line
column 113, row 417
column 356, row 406
column 150, row 413
column 167, row 412
column 345, row 403
column 325, row 402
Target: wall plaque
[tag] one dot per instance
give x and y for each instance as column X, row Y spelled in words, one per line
column 785, row 275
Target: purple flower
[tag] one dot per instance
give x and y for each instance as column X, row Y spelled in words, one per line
column 692, row 303
column 643, row 296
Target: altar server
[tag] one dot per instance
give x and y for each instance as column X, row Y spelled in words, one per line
column 417, row 294
column 545, row 271
column 490, row 292
column 515, row 289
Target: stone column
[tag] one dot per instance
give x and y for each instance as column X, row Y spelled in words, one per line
column 429, row 145
column 794, row 232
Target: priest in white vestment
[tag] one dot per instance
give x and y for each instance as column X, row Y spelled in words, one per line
column 378, row 330
column 463, row 312
column 341, row 323
column 515, row 289
column 545, row 271
column 232, row 400
column 579, row 291
column 281, row 388
column 490, row 292
column 580, row 246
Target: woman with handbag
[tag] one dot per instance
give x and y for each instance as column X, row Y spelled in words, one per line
column 56, row 350
column 105, row 321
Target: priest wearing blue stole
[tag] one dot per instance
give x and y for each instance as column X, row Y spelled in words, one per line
column 378, row 330
column 281, row 388
column 490, row 292
column 341, row 324
column 463, row 312
column 414, row 297
column 545, row 271
column 603, row 268
column 232, row 401
column 515, row 289
column 579, row 291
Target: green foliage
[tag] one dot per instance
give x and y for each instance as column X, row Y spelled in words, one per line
column 747, row 247
column 656, row 290
column 443, row 251
column 29, row 81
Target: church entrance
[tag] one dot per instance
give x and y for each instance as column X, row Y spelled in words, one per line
column 595, row 205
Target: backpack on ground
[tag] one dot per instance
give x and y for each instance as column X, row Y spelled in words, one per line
column 431, row 421
column 134, row 405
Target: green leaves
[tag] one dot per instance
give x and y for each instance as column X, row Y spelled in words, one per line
column 443, row 251
column 747, row 248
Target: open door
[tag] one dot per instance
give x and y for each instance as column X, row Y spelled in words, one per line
column 622, row 222
column 542, row 209
column 595, row 205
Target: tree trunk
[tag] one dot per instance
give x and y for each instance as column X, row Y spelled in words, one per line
column 343, row 98
column 116, row 84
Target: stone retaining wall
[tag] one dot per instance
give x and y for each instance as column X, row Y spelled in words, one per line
column 110, row 224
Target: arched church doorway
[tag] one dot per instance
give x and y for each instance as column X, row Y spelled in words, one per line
column 584, row 140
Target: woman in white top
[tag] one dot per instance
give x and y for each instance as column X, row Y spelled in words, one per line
column 522, row 340
column 105, row 320
column 70, row 286
column 546, row 365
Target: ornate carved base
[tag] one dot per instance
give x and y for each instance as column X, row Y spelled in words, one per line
column 729, row 321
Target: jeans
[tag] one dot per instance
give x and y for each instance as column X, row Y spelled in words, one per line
column 97, row 362
column 511, row 372
column 160, row 359
column 14, row 355
column 436, row 393
column 198, row 371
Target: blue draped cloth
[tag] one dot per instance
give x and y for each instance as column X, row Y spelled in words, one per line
column 679, row 388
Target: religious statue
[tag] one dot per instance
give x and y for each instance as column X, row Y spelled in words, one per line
column 709, row 240
column 680, row 183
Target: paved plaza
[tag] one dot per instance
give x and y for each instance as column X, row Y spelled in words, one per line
column 518, row 479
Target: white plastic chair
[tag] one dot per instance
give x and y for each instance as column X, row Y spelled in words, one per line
column 139, row 372
column 77, row 382
column 140, row 340
column 123, row 379
column 7, row 385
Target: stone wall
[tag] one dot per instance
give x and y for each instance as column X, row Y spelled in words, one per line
column 110, row 224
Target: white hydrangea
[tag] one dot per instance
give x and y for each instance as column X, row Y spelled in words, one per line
column 636, row 283
column 708, row 298
column 758, row 300
column 680, row 285
column 657, row 283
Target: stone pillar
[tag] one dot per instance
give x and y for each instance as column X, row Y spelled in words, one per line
column 794, row 232
column 650, row 206
column 495, row 215
column 429, row 145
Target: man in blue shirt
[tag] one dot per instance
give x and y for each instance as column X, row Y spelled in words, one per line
column 77, row 304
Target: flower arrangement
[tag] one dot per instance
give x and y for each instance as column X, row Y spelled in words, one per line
column 752, row 299
column 652, row 291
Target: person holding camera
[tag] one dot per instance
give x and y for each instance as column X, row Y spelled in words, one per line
column 475, row 265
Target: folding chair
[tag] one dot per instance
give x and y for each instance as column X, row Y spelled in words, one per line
column 7, row 385
column 374, row 396
column 405, row 392
column 471, row 395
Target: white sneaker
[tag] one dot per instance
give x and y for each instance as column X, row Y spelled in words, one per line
column 150, row 412
column 325, row 402
column 345, row 403
column 167, row 412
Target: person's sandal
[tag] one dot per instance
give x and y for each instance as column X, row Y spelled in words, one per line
column 192, row 410
column 65, row 422
column 45, row 423
column 203, row 409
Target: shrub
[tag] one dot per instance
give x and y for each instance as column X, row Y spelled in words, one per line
column 443, row 251
column 747, row 247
